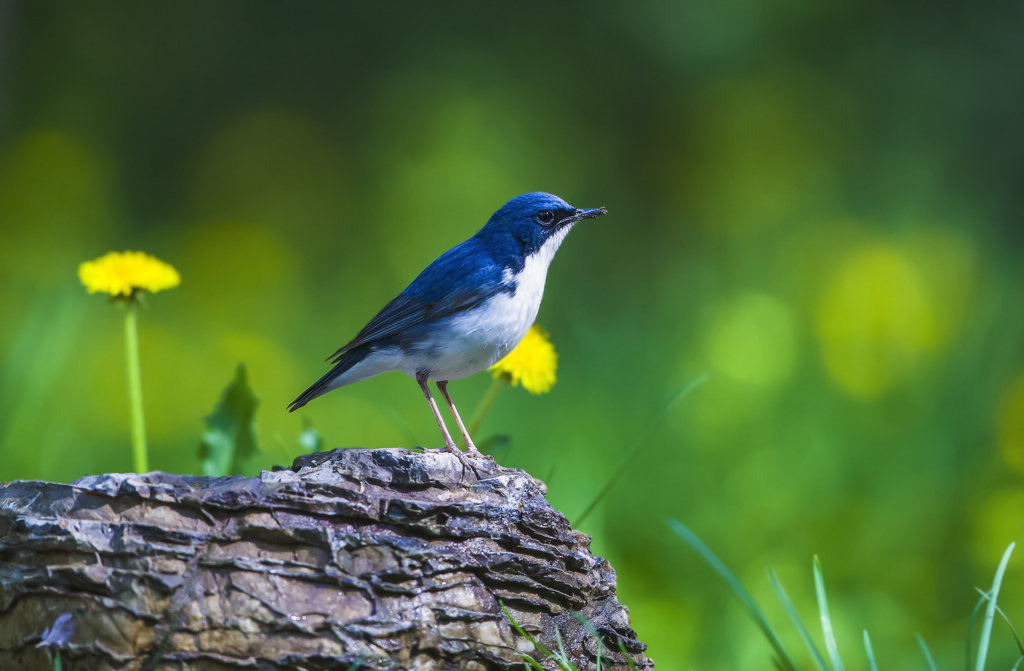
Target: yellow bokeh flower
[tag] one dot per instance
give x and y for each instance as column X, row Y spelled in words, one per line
column 876, row 320
column 124, row 273
column 532, row 363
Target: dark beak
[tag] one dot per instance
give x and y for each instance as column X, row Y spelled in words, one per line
column 587, row 214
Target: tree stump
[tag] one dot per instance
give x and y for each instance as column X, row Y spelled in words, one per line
column 357, row 558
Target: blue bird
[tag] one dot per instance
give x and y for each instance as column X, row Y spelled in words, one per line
column 465, row 311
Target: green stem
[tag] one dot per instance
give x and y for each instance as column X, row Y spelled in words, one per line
column 485, row 404
column 131, row 339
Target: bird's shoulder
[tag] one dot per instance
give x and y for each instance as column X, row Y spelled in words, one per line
column 469, row 266
column 460, row 279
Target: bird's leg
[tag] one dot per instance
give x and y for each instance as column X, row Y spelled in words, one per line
column 449, row 444
column 470, row 446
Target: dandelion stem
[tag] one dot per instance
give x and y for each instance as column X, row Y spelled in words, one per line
column 485, row 405
column 131, row 338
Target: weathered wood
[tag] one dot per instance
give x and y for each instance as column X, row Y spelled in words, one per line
column 387, row 559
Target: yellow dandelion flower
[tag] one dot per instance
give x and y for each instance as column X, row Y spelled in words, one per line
column 532, row 363
column 124, row 273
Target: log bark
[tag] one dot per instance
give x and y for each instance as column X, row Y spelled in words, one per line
column 373, row 559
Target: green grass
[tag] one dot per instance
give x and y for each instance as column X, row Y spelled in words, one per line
column 559, row 657
column 826, row 620
column 929, row 660
column 872, row 664
column 990, row 612
column 640, row 441
column 976, row 659
column 782, row 659
column 794, row 617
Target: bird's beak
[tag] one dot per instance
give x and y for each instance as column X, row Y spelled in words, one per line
column 587, row 214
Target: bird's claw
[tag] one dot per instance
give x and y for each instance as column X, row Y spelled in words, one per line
column 462, row 457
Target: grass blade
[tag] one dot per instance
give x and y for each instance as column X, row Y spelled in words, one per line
column 797, row 622
column 515, row 625
column 927, row 653
column 990, row 612
column 737, row 588
column 637, row 444
column 562, row 659
column 970, row 628
column 826, row 620
column 1013, row 630
column 629, row 660
column 870, row 653
column 588, row 625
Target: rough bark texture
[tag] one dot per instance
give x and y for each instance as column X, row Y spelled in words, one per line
column 382, row 559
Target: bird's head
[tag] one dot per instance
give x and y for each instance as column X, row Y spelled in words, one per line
column 536, row 221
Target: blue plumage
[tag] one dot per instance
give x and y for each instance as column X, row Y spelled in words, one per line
column 466, row 310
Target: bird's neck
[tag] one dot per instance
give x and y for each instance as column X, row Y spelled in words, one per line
column 529, row 273
column 511, row 255
column 546, row 253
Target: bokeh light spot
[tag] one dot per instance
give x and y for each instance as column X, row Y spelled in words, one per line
column 874, row 320
column 997, row 521
column 752, row 338
column 241, row 268
column 53, row 187
column 1010, row 424
column 949, row 265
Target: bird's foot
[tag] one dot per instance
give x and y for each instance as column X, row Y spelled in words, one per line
column 463, row 457
column 466, row 463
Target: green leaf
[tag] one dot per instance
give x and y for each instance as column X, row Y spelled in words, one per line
column 310, row 439
column 230, row 436
column 497, row 446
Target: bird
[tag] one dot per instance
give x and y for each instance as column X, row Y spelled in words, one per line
column 463, row 312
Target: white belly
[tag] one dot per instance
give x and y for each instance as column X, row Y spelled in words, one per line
column 474, row 341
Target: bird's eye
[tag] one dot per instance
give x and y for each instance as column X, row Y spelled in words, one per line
column 545, row 217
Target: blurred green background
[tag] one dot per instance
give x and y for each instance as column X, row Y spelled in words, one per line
column 816, row 204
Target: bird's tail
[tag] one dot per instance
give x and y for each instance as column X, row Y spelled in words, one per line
column 327, row 382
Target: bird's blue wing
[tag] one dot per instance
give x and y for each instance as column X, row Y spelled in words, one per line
column 461, row 278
